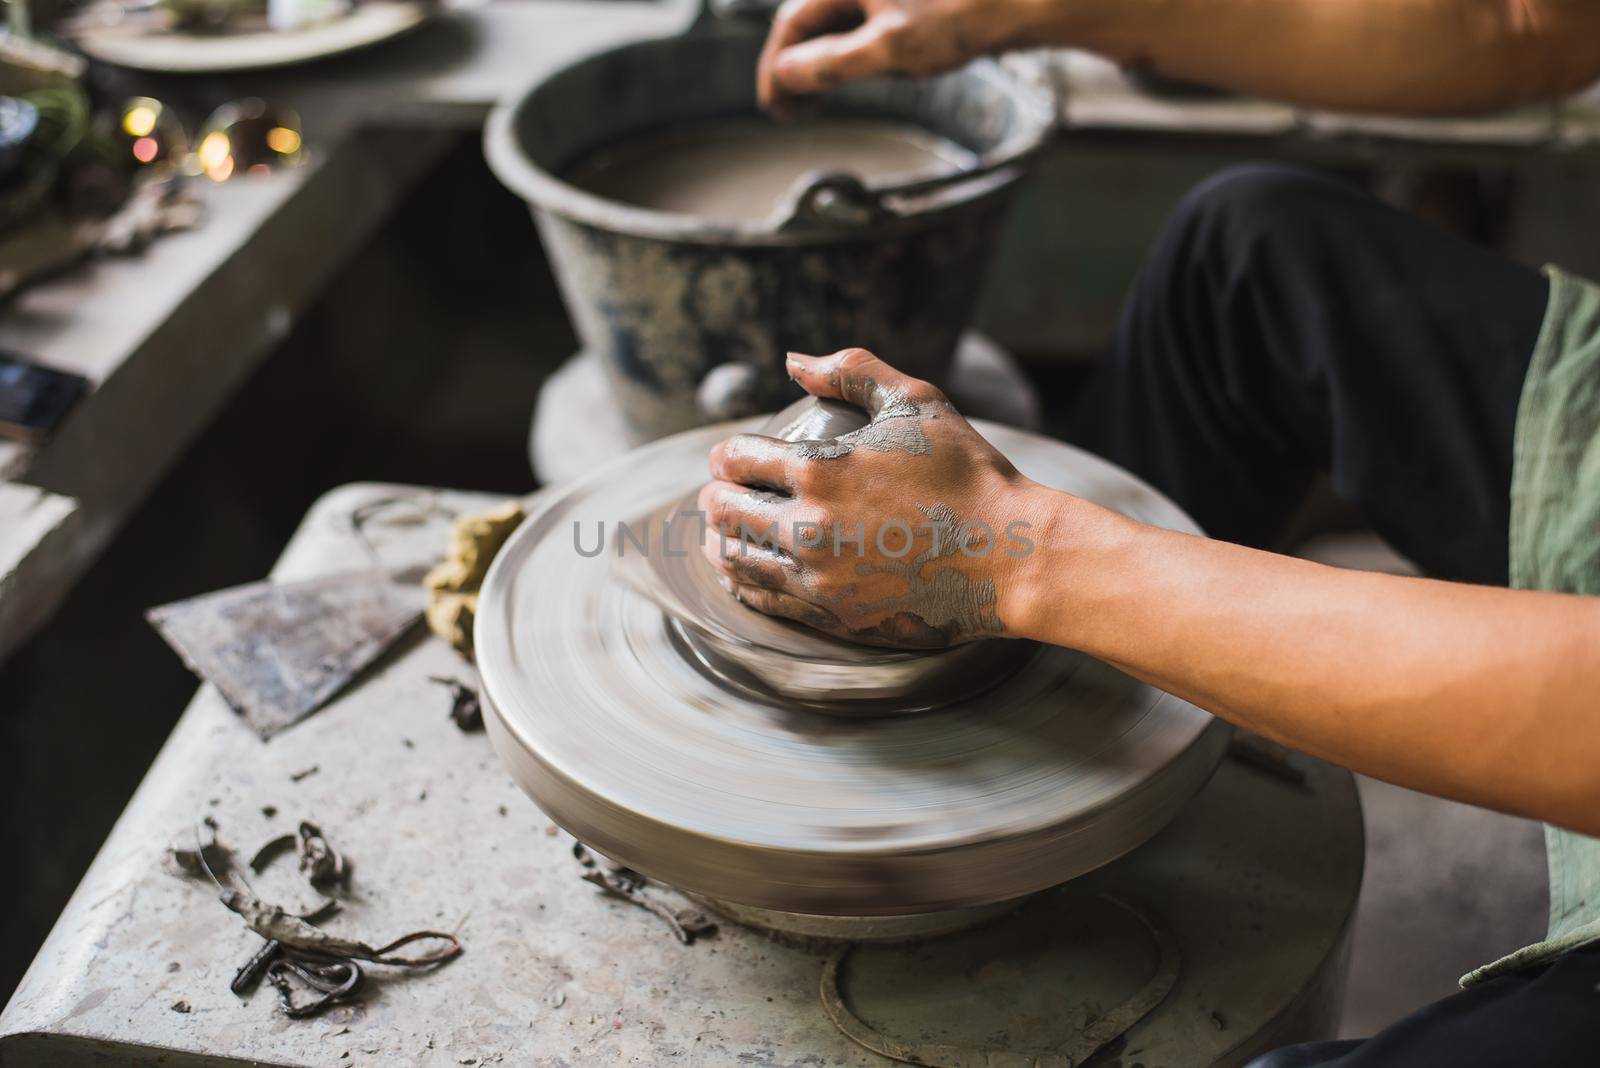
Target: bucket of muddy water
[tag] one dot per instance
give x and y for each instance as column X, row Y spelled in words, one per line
column 696, row 241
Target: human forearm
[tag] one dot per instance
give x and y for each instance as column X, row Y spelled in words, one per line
column 1400, row 56
column 1485, row 695
column 1416, row 56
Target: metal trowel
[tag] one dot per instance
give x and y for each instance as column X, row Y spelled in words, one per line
column 280, row 651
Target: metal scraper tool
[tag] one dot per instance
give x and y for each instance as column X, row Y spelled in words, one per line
column 280, row 651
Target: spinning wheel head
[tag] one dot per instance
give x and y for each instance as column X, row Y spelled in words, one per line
column 610, row 718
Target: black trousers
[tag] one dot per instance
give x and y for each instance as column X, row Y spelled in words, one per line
column 1287, row 325
column 1544, row 1019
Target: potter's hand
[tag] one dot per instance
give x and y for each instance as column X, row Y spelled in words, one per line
column 815, row 45
column 1358, row 55
column 907, row 532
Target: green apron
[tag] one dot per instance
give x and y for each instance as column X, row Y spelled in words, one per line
column 1555, row 545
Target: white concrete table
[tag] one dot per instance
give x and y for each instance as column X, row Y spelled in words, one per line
column 1257, row 879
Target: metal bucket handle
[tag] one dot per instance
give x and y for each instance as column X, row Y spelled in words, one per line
column 841, row 200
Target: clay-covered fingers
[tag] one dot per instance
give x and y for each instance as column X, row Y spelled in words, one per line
column 857, row 377
column 742, row 563
column 741, row 512
column 786, row 605
column 756, row 534
column 753, row 524
column 755, row 460
column 825, row 62
column 797, row 21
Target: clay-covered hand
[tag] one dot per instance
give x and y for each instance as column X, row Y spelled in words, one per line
column 815, row 45
column 908, row 532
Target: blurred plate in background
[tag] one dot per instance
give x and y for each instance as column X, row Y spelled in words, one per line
column 185, row 52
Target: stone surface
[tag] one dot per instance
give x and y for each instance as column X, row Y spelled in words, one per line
column 35, row 529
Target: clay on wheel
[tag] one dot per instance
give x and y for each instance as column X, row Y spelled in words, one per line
column 606, row 719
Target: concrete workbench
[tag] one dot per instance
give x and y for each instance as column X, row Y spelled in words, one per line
column 1257, row 879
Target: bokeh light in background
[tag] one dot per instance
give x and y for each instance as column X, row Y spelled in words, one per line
column 248, row 136
column 152, row 133
column 140, row 119
column 244, row 136
column 216, row 156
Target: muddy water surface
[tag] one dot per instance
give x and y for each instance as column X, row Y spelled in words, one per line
column 738, row 170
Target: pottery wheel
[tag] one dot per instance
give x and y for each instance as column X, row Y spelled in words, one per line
column 619, row 732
